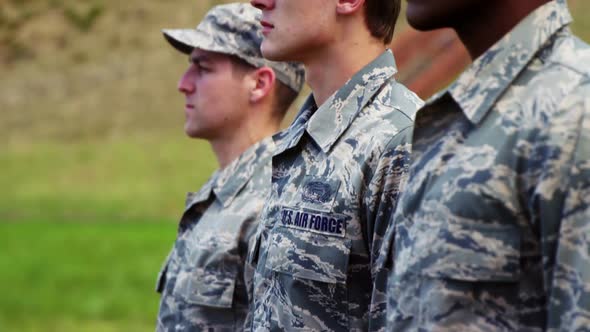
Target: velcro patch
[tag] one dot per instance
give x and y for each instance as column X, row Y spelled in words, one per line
column 313, row 221
column 318, row 194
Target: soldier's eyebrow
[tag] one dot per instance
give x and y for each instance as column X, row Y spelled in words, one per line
column 199, row 59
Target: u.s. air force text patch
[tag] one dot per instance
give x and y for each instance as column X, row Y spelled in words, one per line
column 314, row 221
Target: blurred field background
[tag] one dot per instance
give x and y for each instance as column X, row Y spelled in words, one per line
column 94, row 165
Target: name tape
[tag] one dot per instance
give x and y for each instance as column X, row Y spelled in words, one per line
column 312, row 221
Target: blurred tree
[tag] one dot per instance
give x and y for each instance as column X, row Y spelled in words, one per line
column 84, row 20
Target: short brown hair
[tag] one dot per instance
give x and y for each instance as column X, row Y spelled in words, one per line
column 284, row 95
column 381, row 16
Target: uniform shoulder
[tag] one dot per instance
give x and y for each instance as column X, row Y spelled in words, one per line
column 397, row 105
column 552, row 81
column 405, row 100
column 259, row 183
column 571, row 55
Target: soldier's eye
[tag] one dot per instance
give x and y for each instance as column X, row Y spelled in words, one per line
column 203, row 69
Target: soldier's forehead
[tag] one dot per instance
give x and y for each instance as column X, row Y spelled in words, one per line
column 203, row 55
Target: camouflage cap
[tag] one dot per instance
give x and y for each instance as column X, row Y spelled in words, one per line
column 234, row 29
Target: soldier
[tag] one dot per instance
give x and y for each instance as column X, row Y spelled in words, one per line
column 234, row 99
column 336, row 171
column 492, row 230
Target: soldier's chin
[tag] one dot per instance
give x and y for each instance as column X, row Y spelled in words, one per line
column 271, row 52
column 192, row 132
column 420, row 19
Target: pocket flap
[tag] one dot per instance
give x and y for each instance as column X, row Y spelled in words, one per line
column 470, row 253
column 308, row 255
column 206, row 287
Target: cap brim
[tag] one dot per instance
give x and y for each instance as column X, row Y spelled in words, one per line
column 185, row 40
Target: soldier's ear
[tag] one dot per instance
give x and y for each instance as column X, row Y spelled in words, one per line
column 263, row 82
column 348, row 7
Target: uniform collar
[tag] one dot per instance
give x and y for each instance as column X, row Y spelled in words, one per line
column 482, row 84
column 288, row 138
column 227, row 183
column 336, row 114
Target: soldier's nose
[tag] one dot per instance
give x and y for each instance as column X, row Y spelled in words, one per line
column 185, row 84
column 263, row 4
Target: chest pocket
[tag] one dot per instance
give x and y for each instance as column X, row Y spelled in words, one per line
column 454, row 272
column 209, row 269
column 306, row 255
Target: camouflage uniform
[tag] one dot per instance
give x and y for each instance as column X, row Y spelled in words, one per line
column 492, row 232
column 204, row 282
column 335, row 179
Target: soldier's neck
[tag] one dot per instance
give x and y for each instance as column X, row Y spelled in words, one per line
column 481, row 29
column 233, row 143
column 329, row 71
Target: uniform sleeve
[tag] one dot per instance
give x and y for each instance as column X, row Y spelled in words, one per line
column 250, row 236
column 379, row 202
column 568, row 256
column 384, row 188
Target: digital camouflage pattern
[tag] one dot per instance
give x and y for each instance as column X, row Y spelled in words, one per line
column 204, row 281
column 492, row 231
column 335, row 180
column 234, row 29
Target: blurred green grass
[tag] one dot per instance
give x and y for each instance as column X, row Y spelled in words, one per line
column 80, row 276
column 135, row 179
column 93, row 162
